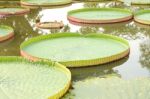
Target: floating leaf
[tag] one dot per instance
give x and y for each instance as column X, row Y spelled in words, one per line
column 99, row 15
column 44, row 2
column 76, row 50
column 13, row 11
column 110, row 88
column 142, row 16
column 6, row 32
column 50, row 25
column 21, row 79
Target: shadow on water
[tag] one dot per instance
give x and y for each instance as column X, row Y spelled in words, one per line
column 96, row 71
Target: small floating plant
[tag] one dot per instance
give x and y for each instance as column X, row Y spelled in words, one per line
column 75, row 50
column 99, row 15
column 21, row 79
column 50, row 25
column 6, row 32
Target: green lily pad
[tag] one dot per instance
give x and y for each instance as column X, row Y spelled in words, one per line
column 44, row 2
column 13, row 11
column 21, row 79
column 76, row 50
column 110, row 88
column 99, row 15
column 142, row 16
column 6, row 32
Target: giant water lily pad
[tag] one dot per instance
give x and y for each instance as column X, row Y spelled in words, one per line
column 13, row 11
column 143, row 16
column 44, row 2
column 99, row 15
column 76, row 50
column 6, row 32
column 21, row 79
column 110, row 88
column 50, row 25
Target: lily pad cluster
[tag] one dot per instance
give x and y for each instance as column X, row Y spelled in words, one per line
column 44, row 74
column 96, row 16
column 7, row 32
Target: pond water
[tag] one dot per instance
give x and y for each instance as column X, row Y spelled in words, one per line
column 137, row 64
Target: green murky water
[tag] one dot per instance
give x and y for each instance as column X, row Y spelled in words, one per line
column 137, row 64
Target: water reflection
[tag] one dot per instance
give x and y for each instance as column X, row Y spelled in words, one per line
column 38, row 13
column 96, row 71
column 86, row 30
column 109, row 88
column 145, row 53
column 114, row 3
column 102, row 4
column 143, row 26
column 140, row 6
column 22, row 30
column 128, row 30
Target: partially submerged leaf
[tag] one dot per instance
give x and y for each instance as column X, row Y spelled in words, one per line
column 110, row 88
